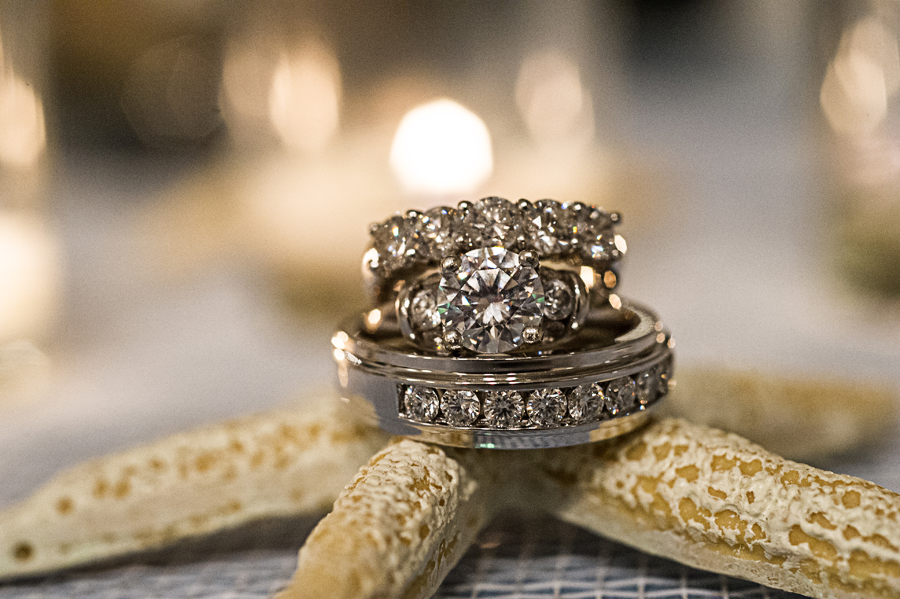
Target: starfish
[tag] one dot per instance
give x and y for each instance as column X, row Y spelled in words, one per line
column 681, row 490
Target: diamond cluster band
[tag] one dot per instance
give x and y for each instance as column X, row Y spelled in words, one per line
column 571, row 232
column 602, row 382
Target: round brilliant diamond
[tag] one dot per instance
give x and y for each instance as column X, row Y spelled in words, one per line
column 460, row 408
column 423, row 311
column 586, row 402
column 494, row 221
column 646, row 386
column 491, row 300
column 559, row 301
column 503, row 409
column 546, row 407
column 421, row 403
column 620, row 395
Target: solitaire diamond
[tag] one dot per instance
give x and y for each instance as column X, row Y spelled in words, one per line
column 546, row 407
column 421, row 403
column 586, row 402
column 491, row 300
column 503, row 409
column 460, row 408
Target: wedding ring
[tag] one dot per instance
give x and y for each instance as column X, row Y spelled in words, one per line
column 603, row 380
column 493, row 276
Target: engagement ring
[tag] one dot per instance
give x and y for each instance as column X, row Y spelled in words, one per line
column 492, row 276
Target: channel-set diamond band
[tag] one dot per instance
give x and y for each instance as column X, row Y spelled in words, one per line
column 602, row 381
column 494, row 276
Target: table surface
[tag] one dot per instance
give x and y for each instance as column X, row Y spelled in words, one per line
column 739, row 267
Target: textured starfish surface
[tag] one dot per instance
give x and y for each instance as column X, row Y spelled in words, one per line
column 684, row 491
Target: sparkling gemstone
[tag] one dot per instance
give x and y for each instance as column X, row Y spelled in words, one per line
column 494, row 221
column 439, row 230
column 586, row 402
column 490, row 300
column 546, row 407
column 460, row 408
column 664, row 372
column 620, row 395
column 421, row 403
column 558, row 300
column 589, row 221
column 397, row 241
column 646, row 385
column 550, row 227
column 503, row 409
column 423, row 310
column 600, row 248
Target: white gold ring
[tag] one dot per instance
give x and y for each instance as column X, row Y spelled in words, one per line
column 602, row 381
column 493, row 276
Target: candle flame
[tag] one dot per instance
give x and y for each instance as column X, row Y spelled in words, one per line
column 551, row 99
column 22, row 132
column 304, row 101
column 865, row 72
column 442, row 149
column 28, row 277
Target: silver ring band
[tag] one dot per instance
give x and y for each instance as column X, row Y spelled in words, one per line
column 598, row 383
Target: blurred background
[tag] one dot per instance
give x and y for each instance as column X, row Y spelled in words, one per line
column 185, row 187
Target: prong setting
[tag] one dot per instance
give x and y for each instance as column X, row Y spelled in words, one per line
column 530, row 258
column 532, row 334
column 450, row 265
column 452, row 339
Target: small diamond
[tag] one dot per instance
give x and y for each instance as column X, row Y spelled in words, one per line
column 558, row 300
column 620, row 395
column 550, row 227
column 397, row 241
column 494, row 221
column 664, row 372
column 590, row 221
column 647, row 384
column 460, row 408
column 421, row 403
column 503, row 409
column 491, row 300
column 600, row 248
column 423, row 312
column 586, row 402
column 546, row 407
column 439, row 228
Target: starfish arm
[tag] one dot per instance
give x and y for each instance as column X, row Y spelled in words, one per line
column 283, row 463
column 716, row 501
column 399, row 527
column 799, row 418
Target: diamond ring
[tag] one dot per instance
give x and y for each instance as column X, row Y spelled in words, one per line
column 602, row 381
column 492, row 276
